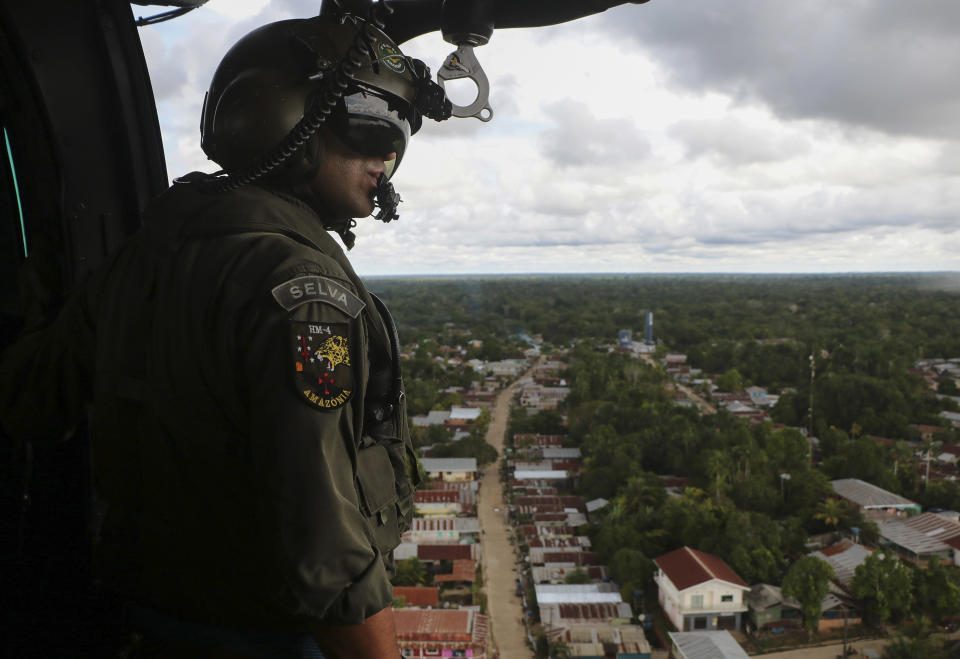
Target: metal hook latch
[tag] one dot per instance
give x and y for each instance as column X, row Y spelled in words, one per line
column 462, row 63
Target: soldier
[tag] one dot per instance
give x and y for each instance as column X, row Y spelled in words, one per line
column 251, row 461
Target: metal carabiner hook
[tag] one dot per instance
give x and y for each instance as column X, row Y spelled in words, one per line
column 462, row 63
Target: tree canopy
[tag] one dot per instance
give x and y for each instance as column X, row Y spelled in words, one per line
column 808, row 581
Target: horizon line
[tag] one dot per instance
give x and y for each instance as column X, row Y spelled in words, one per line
column 838, row 273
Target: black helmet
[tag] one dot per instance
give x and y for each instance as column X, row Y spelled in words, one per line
column 272, row 76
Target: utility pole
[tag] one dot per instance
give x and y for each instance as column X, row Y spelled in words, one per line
column 783, row 477
column 843, row 609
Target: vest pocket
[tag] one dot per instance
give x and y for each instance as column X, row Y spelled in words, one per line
column 378, row 496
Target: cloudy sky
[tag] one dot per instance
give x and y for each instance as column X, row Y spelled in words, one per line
column 675, row 136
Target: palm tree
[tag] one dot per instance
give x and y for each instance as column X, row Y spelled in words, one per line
column 832, row 512
column 718, row 469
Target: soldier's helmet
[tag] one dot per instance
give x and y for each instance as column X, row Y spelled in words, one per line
column 273, row 76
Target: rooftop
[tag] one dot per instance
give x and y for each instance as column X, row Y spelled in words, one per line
column 418, row 595
column 439, row 625
column 465, row 413
column 707, row 645
column 539, row 475
column 436, row 496
column 763, row 596
column 555, row 452
column 597, row 639
column 431, row 418
column 596, row 504
column 843, row 557
column 448, row 464
column 686, row 567
column 462, row 524
column 593, row 593
column 923, row 534
column 463, row 570
column 597, row 611
column 867, row 495
column 573, row 555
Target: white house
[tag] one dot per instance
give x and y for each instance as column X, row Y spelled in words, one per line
column 442, row 530
column 698, row 591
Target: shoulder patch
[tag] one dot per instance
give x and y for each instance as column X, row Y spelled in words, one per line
column 321, row 363
column 313, row 288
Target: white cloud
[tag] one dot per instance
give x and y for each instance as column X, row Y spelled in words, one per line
column 707, row 145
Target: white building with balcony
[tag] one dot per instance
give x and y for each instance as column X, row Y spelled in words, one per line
column 699, row 591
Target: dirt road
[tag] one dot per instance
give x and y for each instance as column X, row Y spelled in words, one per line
column 505, row 613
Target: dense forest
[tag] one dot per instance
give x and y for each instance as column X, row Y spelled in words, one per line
column 903, row 316
column 863, row 331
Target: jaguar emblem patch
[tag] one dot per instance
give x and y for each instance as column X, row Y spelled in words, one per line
column 321, row 362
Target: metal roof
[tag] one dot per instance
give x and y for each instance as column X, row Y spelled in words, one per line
column 461, row 524
column 420, row 624
column 596, row 504
column 539, row 475
column 923, row 534
column 553, row 452
column 466, row 413
column 867, row 495
column 577, row 593
column 418, row 595
column 763, row 596
column 844, row 559
column 431, row 418
column 601, row 611
column 431, row 465
column 707, row 645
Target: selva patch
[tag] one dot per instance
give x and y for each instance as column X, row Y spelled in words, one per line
column 312, row 288
column 321, row 362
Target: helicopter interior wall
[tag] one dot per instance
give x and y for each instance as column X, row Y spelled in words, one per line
column 12, row 241
column 80, row 156
column 78, row 110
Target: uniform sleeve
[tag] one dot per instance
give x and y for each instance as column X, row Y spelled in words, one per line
column 305, row 368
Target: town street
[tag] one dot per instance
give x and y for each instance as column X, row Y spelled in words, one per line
column 499, row 558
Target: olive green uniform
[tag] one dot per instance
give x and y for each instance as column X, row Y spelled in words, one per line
column 230, row 354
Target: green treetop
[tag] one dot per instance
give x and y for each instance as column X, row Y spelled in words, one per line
column 808, row 582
